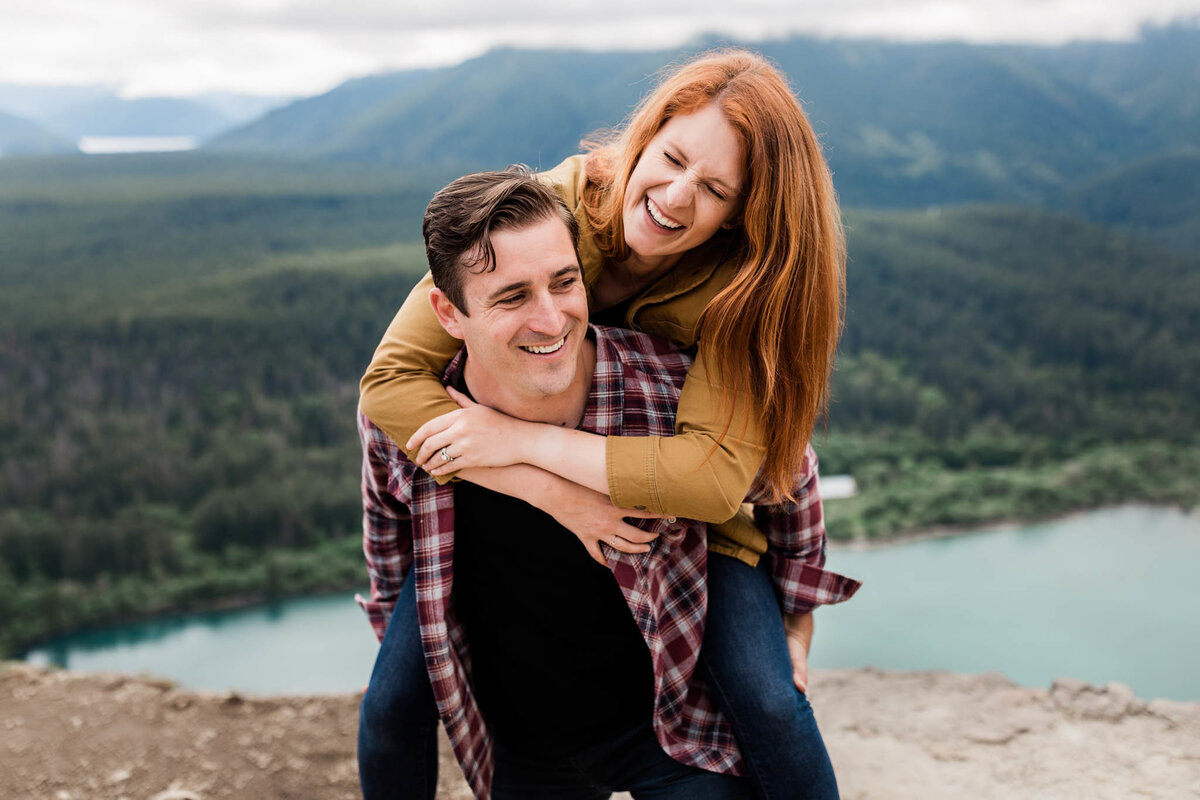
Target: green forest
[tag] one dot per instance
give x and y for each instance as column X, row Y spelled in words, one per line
column 181, row 348
column 181, row 335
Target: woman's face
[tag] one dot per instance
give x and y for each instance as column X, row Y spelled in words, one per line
column 686, row 185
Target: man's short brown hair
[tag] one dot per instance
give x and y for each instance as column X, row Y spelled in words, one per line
column 461, row 217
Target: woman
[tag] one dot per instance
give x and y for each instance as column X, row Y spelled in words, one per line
column 710, row 221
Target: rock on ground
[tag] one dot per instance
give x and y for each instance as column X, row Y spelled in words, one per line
column 894, row 735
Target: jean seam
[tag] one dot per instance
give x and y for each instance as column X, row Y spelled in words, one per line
column 759, row 781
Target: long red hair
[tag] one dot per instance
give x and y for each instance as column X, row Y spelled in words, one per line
column 773, row 331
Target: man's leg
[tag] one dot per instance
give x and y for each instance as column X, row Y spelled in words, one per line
column 397, row 722
column 746, row 661
column 636, row 763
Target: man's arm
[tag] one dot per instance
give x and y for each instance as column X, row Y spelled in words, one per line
column 387, row 525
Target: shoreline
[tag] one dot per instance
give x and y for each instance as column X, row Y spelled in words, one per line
column 863, row 543
column 252, row 600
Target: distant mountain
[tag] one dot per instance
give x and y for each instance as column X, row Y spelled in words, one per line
column 42, row 102
column 22, row 137
column 904, row 124
column 75, row 111
column 506, row 106
column 242, row 109
column 148, row 116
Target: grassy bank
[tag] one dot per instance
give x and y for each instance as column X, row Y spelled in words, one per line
column 917, row 495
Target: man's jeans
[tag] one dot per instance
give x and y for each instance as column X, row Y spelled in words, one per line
column 745, row 660
column 632, row 762
column 397, row 743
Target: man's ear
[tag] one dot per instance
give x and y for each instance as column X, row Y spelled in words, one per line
column 447, row 313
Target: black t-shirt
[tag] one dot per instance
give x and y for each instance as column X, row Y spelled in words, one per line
column 613, row 316
column 558, row 662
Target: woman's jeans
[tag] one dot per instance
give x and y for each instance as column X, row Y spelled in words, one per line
column 744, row 658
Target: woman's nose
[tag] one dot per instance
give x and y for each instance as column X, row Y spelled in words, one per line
column 680, row 190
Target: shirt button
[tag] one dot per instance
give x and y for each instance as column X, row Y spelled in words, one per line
column 640, row 508
column 670, row 520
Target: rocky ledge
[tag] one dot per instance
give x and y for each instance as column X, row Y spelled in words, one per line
column 894, row 735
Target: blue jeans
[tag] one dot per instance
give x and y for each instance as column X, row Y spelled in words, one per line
column 633, row 762
column 744, row 658
column 397, row 721
column 746, row 661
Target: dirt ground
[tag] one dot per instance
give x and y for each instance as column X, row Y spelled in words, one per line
column 928, row 735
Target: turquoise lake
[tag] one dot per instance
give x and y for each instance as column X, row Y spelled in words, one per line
column 1111, row 595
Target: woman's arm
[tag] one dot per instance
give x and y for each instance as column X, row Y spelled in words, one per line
column 478, row 436
column 695, row 474
column 702, row 472
column 402, row 387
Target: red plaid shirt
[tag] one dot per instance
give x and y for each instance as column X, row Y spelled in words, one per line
column 408, row 519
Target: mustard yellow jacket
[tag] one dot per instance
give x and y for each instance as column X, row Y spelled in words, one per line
column 698, row 473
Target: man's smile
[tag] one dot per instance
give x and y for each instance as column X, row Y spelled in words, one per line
column 544, row 349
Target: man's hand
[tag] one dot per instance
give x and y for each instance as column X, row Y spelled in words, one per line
column 799, row 631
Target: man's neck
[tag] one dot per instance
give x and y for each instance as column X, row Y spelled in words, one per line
column 565, row 408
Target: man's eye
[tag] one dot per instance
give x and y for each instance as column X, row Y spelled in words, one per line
column 511, row 300
column 567, row 283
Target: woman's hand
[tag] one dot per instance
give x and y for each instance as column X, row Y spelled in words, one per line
column 473, row 436
column 593, row 519
column 799, row 631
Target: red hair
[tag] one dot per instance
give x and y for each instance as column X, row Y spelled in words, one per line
column 773, row 331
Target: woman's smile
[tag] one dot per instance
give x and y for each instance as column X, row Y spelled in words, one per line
column 661, row 219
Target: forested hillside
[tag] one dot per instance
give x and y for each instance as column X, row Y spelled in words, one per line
column 181, row 335
column 181, row 343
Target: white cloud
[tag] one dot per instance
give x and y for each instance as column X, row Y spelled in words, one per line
column 306, row 46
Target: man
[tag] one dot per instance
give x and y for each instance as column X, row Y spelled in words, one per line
column 584, row 673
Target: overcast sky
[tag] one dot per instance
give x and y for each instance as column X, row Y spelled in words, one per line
column 302, row 47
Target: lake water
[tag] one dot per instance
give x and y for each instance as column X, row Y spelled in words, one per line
column 1108, row 595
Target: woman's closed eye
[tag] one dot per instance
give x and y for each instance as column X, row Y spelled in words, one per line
column 712, row 190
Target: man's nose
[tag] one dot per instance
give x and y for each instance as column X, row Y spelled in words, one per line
column 546, row 316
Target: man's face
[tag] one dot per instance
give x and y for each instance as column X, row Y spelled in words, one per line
column 526, row 319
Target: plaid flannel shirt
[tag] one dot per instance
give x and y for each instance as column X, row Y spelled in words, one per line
column 408, row 528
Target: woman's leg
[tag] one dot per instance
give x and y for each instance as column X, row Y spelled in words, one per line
column 745, row 658
column 397, row 722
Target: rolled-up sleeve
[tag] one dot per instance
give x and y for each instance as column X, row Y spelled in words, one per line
column 796, row 546
column 702, row 472
column 387, row 527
